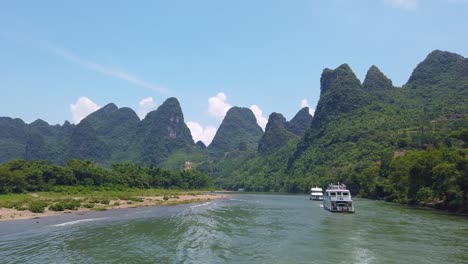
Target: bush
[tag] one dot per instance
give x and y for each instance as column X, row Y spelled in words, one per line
column 94, row 200
column 105, row 201
column 72, row 204
column 425, row 196
column 57, row 207
column 135, row 199
column 165, row 198
column 37, row 206
column 22, row 207
column 89, row 205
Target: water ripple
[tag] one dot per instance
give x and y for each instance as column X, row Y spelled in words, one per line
column 245, row 229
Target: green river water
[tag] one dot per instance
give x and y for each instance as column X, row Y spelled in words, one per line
column 245, row 228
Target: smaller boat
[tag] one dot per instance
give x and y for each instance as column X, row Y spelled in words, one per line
column 316, row 194
column 337, row 198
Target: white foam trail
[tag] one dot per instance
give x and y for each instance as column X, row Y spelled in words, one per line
column 80, row 221
column 198, row 205
column 239, row 200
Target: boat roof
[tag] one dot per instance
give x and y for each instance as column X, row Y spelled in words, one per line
column 341, row 187
column 316, row 189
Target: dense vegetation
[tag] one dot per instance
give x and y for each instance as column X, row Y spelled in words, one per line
column 386, row 143
column 20, row 176
column 109, row 135
column 238, row 131
column 407, row 145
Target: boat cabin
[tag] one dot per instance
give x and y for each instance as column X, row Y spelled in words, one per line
column 316, row 194
column 338, row 199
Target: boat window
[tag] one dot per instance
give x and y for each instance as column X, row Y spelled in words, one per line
column 339, row 193
column 345, row 193
column 333, row 193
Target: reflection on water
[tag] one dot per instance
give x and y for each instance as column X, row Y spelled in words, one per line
column 243, row 229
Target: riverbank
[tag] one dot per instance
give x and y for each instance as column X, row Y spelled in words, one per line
column 38, row 205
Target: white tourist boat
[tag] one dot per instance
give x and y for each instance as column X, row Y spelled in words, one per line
column 337, row 198
column 316, row 194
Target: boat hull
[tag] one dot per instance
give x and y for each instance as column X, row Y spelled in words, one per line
column 339, row 210
column 338, row 199
column 314, row 198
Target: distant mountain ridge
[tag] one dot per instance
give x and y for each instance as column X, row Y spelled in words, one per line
column 393, row 143
column 340, row 92
column 112, row 134
column 278, row 132
column 238, row 131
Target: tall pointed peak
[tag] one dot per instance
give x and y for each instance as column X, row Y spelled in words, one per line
column 200, row 144
column 128, row 112
column 331, row 78
column 340, row 92
column 171, row 102
column 162, row 132
column 170, row 105
column 276, row 135
column 443, row 55
column 238, row 109
column 68, row 127
column 110, row 107
column 238, row 131
column 101, row 113
column 305, row 111
column 39, row 122
column 300, row 122
column 376, row 80
column 275, row 120
column 240, row 114
column 438, row 66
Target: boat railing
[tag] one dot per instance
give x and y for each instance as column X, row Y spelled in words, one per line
column 337, row 187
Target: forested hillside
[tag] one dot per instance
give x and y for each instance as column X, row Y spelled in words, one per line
column 109, row 135
column 20, row 176
column 404, row 144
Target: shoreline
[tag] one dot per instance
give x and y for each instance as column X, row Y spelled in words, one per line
column 10, row 214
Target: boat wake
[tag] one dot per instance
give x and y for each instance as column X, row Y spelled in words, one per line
column 199, row 205
column 238, row 200
column 79, row 221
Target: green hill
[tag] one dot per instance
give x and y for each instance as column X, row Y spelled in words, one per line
column 239, row 131
column 300, row 122
column 406, row 144
column 162, row 132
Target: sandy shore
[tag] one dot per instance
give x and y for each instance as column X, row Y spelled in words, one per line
column 7, row 214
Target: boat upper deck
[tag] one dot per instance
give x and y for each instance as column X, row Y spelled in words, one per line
column 338, row 193
column 337, row 187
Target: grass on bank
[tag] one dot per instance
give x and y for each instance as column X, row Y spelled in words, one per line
column 76, row 197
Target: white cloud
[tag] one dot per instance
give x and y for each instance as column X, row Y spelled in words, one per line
column 82, row 108
column 402, row 4
column 206, row 134
column 144, row 106
column 305, row 103
column 261, row 120
column 217, row 105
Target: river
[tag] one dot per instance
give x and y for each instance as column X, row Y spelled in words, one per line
column 245, row 228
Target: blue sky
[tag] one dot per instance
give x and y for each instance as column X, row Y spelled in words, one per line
column 60, row 60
